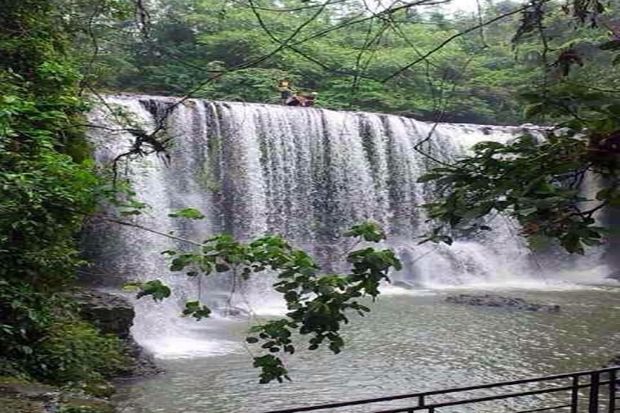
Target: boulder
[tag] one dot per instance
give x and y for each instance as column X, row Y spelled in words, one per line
column 17, row 405
column 489, row 300
column 113, row 314
column 33, row 392
column 110, row 313
column 142, row 363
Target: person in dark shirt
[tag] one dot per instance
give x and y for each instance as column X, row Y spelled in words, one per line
column 290, row 98
column 286, row 93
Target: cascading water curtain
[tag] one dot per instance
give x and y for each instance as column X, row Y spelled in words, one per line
column 307, row 174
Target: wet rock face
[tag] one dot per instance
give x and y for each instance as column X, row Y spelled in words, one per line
column 109, row 313
column 142, row 362
column 489, row 300
column 113, row 314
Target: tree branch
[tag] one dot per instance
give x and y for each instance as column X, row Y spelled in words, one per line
column 452, row 38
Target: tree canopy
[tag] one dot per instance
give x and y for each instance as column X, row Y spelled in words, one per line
column 383, row 61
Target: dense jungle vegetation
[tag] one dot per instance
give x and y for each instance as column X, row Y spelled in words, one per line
column 508, row 62
column 352, row 60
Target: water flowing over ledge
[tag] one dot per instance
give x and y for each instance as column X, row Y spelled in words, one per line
column 307, row 174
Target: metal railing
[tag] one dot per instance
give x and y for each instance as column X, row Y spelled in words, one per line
column 593, row 391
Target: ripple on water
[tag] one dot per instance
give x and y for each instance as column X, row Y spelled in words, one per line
column 407, row 344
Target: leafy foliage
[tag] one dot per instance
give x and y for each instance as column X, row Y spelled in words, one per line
column 536, row 181
column 156, row 289
column 317, row 303
column 539, row 178
column 74, row 351
column 43, row 338
column 194, row 42
column 47, row 186
column 189, row 213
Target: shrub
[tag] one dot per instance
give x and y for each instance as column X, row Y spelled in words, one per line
column 74, row 351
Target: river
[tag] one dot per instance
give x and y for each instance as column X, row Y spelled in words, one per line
column 411, row 342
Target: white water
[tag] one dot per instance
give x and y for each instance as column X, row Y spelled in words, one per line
column 307, row 174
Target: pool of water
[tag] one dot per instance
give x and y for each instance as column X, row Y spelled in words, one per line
column 409, row 343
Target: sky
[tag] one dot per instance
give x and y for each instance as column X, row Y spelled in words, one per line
column 452, row 6
column 466, row 5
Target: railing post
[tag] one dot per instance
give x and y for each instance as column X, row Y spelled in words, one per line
column 612, row 391
column 574, row 397
column 595, row 379
column 605, row 380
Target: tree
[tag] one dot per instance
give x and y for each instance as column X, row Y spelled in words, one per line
column 47, row 186
column 346, row 53
column 539, row 178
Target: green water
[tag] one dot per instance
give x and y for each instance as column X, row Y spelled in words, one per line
column 409, row 343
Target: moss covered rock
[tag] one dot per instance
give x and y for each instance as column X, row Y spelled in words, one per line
column 113, row 314
column 79, row 405
column 19, row 397
column 110, row 313
column 9, row 405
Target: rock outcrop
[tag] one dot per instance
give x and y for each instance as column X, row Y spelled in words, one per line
column 18, row 397
column 489, row 300
column 27, row 398
column 113, row 314
column 110, row 313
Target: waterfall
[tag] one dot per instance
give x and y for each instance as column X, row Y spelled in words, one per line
column 305, row 173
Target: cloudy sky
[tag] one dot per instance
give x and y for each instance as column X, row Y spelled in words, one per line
column 463, row 5
column 453, row 5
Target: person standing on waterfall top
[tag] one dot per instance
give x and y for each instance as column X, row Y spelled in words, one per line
column 286, row 93
column 291, row 98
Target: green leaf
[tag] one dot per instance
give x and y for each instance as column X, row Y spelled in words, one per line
column 156, row 289
column 189, row 213
column 533, row 109
column 538, row 242
column 196, row 310
column 369, row 231
column 132, row 286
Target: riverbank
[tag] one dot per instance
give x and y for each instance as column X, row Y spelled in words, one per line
column 18, row 396
column 112, row 316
